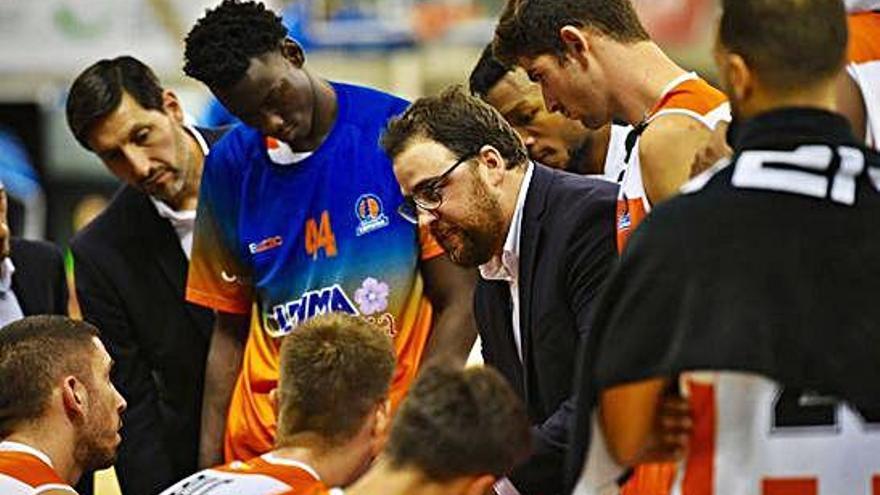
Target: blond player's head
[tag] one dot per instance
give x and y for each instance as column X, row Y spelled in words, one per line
column 333, row 385
column 780, row 52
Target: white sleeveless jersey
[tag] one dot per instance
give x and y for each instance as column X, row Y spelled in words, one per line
column 615, row 158
column 264, row 475
column 864, row 69
column 685, row 95
column 751, row 437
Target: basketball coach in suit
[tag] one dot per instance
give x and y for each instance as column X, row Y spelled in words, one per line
column 130, row 264
column 543, row 240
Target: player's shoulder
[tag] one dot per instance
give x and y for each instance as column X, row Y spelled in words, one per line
column 235, row 148
column 370, row 105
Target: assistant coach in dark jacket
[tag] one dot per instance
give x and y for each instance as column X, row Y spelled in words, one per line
column 544, row 242
column 130, row 265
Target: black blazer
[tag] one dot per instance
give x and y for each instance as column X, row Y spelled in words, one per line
column 38, row 283
column 130, row 274
column 567, row 248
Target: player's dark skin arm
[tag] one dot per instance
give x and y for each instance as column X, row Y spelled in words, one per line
column 221, row 370
column 450, row 288
column 643, row 422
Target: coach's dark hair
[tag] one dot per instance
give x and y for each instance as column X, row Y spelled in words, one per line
column 789, row 43
column 458, row 121
column 528, row 28
column 460, row 422
column 221, row 44
column 35, row 353
column 335, row 369
column 486, row 74
column 98, row 90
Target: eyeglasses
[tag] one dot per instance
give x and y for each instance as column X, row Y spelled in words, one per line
column 427, row 195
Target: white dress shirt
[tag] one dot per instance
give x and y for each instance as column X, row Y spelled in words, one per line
column 506, row 266
column 10, row 309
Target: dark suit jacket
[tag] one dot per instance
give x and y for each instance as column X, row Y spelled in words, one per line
column 130, row 274
column 567, row 248
column 39, row 283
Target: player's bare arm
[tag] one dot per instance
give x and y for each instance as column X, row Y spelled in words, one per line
column 451, row 290
column 221, row 370
column 666, row 151
column 715, row 150
column 645, row 422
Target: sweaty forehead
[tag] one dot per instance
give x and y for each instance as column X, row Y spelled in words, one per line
column 512, row 90
column 422, row 159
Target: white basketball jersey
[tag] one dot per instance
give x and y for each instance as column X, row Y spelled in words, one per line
column 751, row 437
column 265, row 475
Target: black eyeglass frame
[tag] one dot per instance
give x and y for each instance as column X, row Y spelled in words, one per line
column 411, row 204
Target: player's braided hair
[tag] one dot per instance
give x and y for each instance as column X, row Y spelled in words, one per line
column 219, row 47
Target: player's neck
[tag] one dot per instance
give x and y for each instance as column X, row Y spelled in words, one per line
column 640, row 72
column 384, row 479
column 324, row 114
column 57, row 443
column 336, row 466
column 821, row 97
column 592, row 153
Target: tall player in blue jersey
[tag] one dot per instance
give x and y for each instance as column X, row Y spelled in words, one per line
column 298, row 217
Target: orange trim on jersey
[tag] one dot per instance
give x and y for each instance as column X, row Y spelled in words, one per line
column 790, row 486
column 695, row 95
column 429, row 247
column 28, row 469
column 864, row 37
column 651, row 479
column 635, row 210
column 700, row 467
column 294, row 476
column 215, row 302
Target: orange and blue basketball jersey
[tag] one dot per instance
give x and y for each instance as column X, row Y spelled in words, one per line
column 298, row 236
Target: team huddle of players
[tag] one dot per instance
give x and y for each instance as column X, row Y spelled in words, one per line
column 733, row 349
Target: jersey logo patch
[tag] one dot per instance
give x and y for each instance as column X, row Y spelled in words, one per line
column 624, row 221
column 370, row 213
column 285, row 317
column 266, row 244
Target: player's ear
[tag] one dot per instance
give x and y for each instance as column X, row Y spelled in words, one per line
column 381, row 426
column 171, row 105
column 576, row 42
column 74, row 396
column 273, row 398
column 480, row 485
column 293, row 52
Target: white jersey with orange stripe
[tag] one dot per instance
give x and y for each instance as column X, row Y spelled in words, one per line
column 864, row 69
column 699, row 101
column 753, row 437
column 25, row 470
column 761, row 439
column 264, row 475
